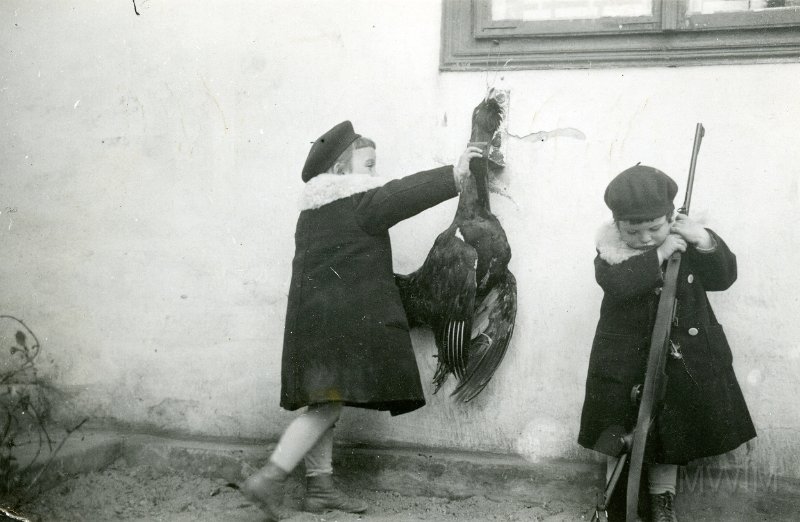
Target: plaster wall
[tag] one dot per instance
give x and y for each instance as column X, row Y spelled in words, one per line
column 149, row 187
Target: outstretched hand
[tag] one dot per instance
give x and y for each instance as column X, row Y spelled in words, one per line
column 461, row 170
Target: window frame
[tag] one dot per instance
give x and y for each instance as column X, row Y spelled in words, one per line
column 485, row 27
column 471, row 41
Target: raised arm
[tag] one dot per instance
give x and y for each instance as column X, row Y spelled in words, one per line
column 716, row 267
column 381, row 208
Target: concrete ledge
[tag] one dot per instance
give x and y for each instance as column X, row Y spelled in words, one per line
column 703, row 488
column 81, row 453
column 230, row 461
column 453, row 474
column 407, row 471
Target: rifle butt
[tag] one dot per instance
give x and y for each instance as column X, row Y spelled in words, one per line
column 635, row 472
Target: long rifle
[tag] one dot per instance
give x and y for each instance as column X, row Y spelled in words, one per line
column 611, row 442
column 655, row 380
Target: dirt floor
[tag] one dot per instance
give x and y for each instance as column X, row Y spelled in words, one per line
column 144, row 494
column 141, row 493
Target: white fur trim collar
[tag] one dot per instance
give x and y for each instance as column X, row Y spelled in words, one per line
column 612, row 249
column 327, row 188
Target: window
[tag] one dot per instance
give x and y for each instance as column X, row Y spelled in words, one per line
column 541, row 34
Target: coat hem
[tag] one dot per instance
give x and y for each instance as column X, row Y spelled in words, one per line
column 395, row 407
column 677, row 461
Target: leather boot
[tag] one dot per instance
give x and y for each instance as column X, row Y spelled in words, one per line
column 265, row 489
column 322, row 495
column 661, row 508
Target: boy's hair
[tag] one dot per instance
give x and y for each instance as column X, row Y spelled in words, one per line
column 345, row 158
column 668, row 215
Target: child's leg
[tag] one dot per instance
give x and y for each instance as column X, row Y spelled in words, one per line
column 303, row 434
column 662, row 478
column 319, row 459
column 321, row 493
column 265, row 487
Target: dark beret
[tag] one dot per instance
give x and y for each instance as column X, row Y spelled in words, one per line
column 640, row 193
column 327, row 148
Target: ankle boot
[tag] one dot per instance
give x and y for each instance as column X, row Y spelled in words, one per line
column 661, row 508
column 322, row 495
column 265, row 489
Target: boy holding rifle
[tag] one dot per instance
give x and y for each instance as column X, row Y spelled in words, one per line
column 703, row 412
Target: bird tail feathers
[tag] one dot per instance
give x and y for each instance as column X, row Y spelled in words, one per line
column 492, row 329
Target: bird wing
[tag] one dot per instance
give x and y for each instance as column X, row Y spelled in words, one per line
column 449, row 274
column 492, row 326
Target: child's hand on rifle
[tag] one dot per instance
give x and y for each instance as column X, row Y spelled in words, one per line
column 673, row 243
column 692, row 232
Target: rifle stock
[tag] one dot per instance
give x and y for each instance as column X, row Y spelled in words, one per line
column 655, row 380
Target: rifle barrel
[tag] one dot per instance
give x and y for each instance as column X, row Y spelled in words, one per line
column 699, row 132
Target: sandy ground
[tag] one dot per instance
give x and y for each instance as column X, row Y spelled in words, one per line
column 142, row 493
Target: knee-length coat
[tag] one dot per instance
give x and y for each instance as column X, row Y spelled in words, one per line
column 704, row 412
column 346, row 337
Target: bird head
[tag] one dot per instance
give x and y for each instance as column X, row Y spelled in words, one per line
column 487, row 116
column 486, row 120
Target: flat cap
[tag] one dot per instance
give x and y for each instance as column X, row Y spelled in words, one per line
column 640, row 192
column 327, row 148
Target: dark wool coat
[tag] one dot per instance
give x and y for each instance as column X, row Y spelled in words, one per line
column 704, row 413
column 346, row 336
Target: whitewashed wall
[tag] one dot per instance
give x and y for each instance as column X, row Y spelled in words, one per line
column 151, row 168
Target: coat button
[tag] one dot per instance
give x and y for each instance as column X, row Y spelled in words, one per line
column 693, row 331
column 690, row 279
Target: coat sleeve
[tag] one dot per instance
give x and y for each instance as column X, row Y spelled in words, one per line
column 717, row 268
column 379, row 209
column 637, row 275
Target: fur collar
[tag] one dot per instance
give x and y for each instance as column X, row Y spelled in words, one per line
column 327, row 188
column 612, row 249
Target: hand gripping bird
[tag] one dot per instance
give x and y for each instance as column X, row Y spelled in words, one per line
column 464, row 291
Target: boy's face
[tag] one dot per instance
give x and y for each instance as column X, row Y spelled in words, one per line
column 363, row 161
column 645, row 235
